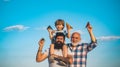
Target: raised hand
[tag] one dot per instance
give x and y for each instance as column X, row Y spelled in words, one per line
column 41, row 43
column 68, row 26
column 89, row 27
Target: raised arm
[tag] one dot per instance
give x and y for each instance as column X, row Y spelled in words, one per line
column 93, row 43
column 69, row 28
column 50, row 31
column 40, row 56
column 89, row 28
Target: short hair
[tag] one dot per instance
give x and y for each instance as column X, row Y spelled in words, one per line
column 59, row 21
column 76, row 33
column 60, row 34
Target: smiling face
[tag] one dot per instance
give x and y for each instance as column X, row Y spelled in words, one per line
column 75, row 38
column 59, row 24
column 59, row 27
column 59, row 40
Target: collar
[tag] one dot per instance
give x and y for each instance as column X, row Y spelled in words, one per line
column 70, row 45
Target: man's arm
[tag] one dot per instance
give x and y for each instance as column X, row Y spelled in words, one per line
column 40, row 56
column 67, row 59
column 89, row 28
column 93, row 43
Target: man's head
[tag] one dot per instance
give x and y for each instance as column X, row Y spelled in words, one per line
column 59, row 40
column 75, row 39
column 59, row 24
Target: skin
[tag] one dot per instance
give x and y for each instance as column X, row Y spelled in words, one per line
column 59, row 27
column 41, row 56
column 75, row 38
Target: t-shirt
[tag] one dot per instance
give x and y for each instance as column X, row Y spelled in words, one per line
column 56, row 62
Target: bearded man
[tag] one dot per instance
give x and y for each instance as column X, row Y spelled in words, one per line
column 58, row 56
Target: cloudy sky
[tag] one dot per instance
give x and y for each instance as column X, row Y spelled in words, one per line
column 24, row 22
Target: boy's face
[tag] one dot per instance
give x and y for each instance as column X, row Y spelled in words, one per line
column 59, row 27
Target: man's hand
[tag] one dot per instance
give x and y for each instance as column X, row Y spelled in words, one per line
column 68, row 59
column 41, row 43
column 89, row 27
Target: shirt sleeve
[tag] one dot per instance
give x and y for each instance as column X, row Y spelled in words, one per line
column 91, row 46
column 46, row 52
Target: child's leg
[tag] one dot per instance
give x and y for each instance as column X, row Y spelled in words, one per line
column 65, row 51
column 51, row 49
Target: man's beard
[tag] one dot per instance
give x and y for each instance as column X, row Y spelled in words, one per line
column 58, row 45
column 75, row 44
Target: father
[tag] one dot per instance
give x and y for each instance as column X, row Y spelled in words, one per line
column 58, row 56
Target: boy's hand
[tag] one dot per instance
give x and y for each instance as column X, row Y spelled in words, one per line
column 68, row 26
column 49, row 28
column 53, row 31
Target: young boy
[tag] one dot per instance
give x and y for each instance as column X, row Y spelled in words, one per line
column 59, row 24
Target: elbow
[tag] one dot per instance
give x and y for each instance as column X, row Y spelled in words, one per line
column 38, row 60
column 68, row 36
column 70, row 61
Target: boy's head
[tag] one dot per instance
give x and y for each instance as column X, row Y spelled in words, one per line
column 59, row 24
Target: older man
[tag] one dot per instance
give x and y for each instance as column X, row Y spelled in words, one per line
column 58, row 56
column 80, row 50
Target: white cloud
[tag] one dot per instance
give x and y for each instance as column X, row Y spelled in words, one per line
column 16, row 27
column 103, row 38
column 41, row 28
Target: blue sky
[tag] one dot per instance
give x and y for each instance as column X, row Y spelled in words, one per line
column 24, row 22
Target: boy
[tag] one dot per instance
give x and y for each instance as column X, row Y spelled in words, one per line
column 59, row 24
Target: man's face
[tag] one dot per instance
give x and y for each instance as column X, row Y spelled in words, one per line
column 75, row 39
column 60, row 39
column 59, row 42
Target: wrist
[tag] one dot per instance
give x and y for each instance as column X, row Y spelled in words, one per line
column 40, row 49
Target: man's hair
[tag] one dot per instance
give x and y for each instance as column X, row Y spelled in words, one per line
column 59, row 22
column 60, row 34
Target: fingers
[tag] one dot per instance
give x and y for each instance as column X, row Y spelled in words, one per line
column 41, row 42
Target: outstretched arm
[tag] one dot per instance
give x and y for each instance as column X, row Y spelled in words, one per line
column 40, row 56
column 93, row 43
column 89, row 28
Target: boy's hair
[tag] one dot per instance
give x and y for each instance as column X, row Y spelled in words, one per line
column 59, row 21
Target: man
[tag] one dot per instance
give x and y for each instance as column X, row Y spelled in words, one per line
column 58, row 56
column 80, row 50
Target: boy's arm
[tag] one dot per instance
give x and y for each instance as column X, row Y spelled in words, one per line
column 50, row 31
column 68, row 30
